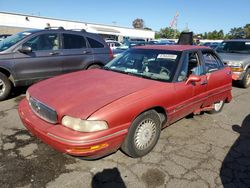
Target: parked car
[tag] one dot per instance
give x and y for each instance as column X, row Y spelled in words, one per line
column 236, row 54
column 214, row 45
column 113, row 44
column 127, row 103
column 34, row 55
column 126, row 45
column 211, row 44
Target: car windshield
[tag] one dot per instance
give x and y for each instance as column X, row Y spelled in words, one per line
column 11, row 40
column 146, row 63
column 234, row 47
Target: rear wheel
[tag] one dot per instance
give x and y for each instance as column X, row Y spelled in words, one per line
column 218, row 106
column 143, row 134
column 5, row 87
column 94, row 66
column 245, row 82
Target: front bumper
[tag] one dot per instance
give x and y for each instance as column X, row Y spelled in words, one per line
column 63, row 139
column 238, row 75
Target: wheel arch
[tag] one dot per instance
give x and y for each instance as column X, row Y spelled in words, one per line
column 247, row 66
column 160, row 111
column 8, row 74
column 95, row 63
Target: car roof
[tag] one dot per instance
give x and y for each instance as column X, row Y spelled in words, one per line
column 172, row 47
column 237, row 40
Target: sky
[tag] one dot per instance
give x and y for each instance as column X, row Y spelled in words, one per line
column 198, row 16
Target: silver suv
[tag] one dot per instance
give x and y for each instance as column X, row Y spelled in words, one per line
column 236, row 54
column 34, row 55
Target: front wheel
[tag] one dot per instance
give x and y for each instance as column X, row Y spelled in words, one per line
column 218, row 106
column 143, row 134
column 245, row 82
column 5, row 87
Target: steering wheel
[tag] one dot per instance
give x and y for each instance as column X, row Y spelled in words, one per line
column 165, row 71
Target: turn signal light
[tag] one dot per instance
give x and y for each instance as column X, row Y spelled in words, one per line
column 87, row 149
column 237, row 69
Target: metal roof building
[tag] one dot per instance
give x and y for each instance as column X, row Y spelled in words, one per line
column 11, row 23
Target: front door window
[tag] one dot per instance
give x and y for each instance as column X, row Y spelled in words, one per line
column 43, row 42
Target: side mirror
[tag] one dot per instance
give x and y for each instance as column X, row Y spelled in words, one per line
column 193, row 78
column 25, row 49
column 225, row 63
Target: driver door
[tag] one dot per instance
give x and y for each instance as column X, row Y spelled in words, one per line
column 42, row 62
column 190, row 95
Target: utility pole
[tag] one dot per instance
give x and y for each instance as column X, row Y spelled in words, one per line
column 174, row 22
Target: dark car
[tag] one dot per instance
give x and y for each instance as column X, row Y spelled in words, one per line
column 128, row 102
column 236, row 54
column 34, row 55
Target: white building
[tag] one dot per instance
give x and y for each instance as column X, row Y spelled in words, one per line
column 11, row 23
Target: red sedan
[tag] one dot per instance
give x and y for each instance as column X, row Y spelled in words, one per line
column 127, row 103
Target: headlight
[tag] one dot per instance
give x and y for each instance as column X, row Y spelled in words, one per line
column 234, row 64
column 237, row 67
column 83, row 125
column 27, row 95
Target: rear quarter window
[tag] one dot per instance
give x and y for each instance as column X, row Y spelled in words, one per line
column 74, row 41
column 212, row 62
column 94, row 43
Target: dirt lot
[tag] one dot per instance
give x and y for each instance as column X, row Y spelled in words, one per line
column 203, row 151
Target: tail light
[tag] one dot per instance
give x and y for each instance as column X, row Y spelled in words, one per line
column 111, row 54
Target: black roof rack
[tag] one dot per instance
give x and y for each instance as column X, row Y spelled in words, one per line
column 59, row 28
column 82, row 30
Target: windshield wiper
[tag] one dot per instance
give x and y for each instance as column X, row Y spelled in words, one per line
column 150, row 77
column 115, row 70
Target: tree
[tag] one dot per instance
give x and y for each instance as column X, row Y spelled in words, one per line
column 247, row 31
column 167, row 32
column 236, row 32
column 138, row 23
column 147, row 28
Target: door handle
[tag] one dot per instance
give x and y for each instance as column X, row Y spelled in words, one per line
column 86, row 52
column 204, row 82
column 53, row 53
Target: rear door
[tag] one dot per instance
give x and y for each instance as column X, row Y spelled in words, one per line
column 75, row 52
column 101, row 51
column 43, row 62
column 218, row 76
column 190, row 96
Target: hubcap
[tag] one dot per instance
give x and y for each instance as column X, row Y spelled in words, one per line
column 2, row 87
column 248, row 79
column 145, row 134
column 217, row 106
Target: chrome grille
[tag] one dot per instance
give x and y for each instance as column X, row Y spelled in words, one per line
column 41, row 110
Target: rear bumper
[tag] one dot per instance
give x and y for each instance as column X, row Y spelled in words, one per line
column 90, row 145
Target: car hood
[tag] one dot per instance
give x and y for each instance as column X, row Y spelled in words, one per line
column 82, row 93
column 234, row 57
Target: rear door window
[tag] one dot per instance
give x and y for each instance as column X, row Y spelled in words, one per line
column 71, row 41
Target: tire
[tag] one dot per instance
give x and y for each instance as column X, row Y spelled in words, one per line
column 245, row 82
column 94, row 66
column 5, row 87
column 143, row 134
column 218, row 106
